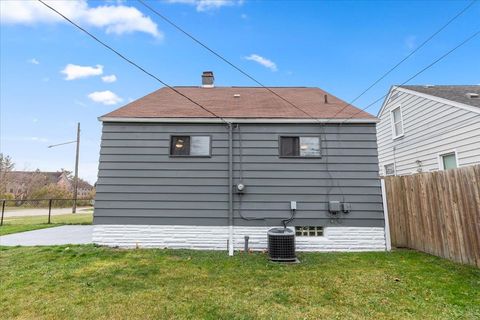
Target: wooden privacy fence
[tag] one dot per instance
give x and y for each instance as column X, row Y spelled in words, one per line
column 437, row 212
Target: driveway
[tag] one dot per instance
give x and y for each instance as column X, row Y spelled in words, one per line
column 16, row 212
column 50, row 236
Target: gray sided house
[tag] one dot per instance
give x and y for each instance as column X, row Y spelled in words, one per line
column 428, row 128
column 170, row 172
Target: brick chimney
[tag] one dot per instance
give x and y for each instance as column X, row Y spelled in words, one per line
column 207, row 79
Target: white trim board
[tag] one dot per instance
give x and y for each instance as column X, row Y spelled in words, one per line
column 427, row 96
column 388, row 241
column 234, row 120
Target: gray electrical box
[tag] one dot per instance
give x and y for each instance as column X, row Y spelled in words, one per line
column 334, row 206
column 346, row 207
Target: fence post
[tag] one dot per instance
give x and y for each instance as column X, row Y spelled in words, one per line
column 3, row 211
column 49, row 210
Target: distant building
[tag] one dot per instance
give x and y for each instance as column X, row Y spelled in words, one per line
column 18, row 182
column 84, row 188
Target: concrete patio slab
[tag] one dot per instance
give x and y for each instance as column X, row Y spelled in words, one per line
column 50, row 236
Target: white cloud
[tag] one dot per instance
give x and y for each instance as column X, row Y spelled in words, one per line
column 243, row 16
column 109, row 79
column 263, row 61
column 33, row 61
column 37, row 139
column 118, row 19
column 207, row 5
column 73, row 71
column 106, row 97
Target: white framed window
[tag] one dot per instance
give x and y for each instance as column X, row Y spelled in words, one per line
column 310, row 231
column 389, row 169
column 397, row 122
column 448, row 160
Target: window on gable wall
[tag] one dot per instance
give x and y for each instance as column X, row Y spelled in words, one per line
column 190, row 146
column 300, row 146
column 397, row 122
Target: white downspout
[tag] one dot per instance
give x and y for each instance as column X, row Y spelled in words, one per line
column 230, row 190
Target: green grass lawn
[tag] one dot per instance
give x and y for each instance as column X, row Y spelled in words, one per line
column 28, row 223
column 88, row 282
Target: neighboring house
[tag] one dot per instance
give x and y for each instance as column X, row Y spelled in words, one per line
column 168, row 177
column 84, row 189
column 428, row 128
column 20, row 182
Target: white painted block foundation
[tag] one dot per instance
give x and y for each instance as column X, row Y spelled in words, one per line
column 216, row 238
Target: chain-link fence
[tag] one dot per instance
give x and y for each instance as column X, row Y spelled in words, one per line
column 45, row 211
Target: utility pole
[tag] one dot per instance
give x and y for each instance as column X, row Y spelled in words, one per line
column 75, row 186
column 77, row 155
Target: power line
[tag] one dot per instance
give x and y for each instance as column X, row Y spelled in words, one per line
column 131, row 62
column 419, row 72
column 218, row 55
column 289, row 102
column 408, row 56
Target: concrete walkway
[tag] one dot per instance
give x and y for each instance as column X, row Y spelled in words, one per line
column 50, row 236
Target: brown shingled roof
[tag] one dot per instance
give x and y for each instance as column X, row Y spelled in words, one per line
column 252, row 102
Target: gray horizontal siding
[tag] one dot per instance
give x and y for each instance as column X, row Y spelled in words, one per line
column 317, row 191
column 139, row 183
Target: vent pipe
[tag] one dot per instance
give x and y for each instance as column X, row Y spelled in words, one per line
column 326, row 98
column 207, row 79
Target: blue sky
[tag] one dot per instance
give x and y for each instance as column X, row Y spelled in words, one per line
column 341, row 47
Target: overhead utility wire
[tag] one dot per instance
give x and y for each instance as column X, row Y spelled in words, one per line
column 131, row 62
column 322, row 125
column 406, row 57
column 289, row 102
column 218, row 55
column 419, row 72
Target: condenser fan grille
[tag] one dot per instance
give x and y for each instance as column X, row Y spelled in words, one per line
column 281, row 244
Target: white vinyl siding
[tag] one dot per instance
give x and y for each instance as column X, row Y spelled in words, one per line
column 434, row 128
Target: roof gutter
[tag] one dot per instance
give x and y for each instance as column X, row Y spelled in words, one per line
column 234, row 120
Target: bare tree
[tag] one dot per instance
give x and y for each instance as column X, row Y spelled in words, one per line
column 6, row 166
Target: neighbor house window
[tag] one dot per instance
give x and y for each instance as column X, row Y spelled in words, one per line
column 190, row 146
column 299, row 146
column 310, row 231
column 389, row 169
column 397, row 122
column 448, row 161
